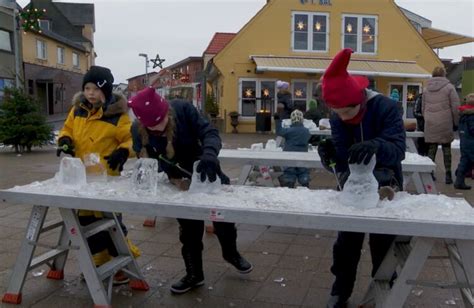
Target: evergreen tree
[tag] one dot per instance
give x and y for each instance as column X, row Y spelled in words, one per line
column 21, row 123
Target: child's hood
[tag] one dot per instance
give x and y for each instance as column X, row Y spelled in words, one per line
column 117, row 105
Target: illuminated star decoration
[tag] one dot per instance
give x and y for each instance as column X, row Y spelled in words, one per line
column 299, row 93
column 248, row 92
column 367, row 29
column 300, row 25
column 157, row 62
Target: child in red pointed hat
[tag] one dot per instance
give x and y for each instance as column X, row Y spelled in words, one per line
column 364, row 123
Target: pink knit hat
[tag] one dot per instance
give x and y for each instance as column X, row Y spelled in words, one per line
column 149, row 107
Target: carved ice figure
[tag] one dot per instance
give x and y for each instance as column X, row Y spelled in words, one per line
column 361, row 188
column 145, row 175
column 203, row 187
column 71, row 172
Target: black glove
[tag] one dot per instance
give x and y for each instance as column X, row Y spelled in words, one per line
column 276, row 117
column 455, row 128
column 117, row 159
column 208, row 167
column 327, row 152
column 65, row 145
column 362, row 152
column 224, row 179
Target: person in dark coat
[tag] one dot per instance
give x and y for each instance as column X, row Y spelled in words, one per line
column 466, row 136
column 284, row 100
column 296, row 139
column 176, row 135
column 422, row 146
column 363, row 123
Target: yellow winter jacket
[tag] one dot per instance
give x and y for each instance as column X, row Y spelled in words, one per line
column 102, row 132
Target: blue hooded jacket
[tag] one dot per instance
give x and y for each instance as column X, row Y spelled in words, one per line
column 382, row 123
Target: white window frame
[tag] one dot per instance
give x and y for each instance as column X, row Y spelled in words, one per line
column 61, row 54
column 404, row 93
column 44, row 49
column 9, row 40
column 78, row 60
column 310, row 33
column 258, row 89
column 359, row 32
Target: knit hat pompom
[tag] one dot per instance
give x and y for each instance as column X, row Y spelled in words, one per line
column 296, row 116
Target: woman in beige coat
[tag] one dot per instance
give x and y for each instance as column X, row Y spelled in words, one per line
column 440, row 110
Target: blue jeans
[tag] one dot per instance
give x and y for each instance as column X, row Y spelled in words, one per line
column 291, row 174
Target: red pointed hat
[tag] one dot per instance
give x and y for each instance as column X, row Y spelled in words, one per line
column 149, row 107
column 339, row 88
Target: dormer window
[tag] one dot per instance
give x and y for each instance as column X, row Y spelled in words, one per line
column 45, row 24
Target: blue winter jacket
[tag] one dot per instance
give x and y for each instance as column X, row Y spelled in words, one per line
column 296, row 137
column 193, row 137
column 382, row 123
column 466, row 132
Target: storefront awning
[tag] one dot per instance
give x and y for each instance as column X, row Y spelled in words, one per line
column 439, row 38
column 403, row 69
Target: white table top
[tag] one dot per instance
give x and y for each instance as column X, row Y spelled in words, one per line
column 412, row 163
column 327, row 132
column 415, row 215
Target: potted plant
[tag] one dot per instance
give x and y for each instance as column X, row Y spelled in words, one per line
column 234, row 120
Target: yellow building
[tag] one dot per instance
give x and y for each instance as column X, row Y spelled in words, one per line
column 57, row 56
column 295, row 40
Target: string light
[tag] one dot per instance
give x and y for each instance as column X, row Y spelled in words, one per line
column 31, row 18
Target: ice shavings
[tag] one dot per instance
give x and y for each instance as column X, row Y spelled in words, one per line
column 301, row 200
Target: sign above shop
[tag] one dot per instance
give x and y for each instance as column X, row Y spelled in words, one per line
column 321, row 2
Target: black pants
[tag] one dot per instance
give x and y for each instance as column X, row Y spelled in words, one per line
column 191, row 232
column 346, row 256
column 101, row 240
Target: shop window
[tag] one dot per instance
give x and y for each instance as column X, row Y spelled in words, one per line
column 310, row 32
column 61, row 52
column 257, row 95
column 41, row 51
column 5, row 41
column 300, row 95
column 360, row 33
column 408, row 92
column 75, row 60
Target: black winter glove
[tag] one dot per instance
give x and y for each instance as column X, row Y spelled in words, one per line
column 362, row 152
column 117, row 159
column 276, row 117
column 224, row 179
column 208, row 167
column 65, row 145
column 327, row 152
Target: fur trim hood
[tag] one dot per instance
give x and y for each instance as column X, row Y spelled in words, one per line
column 117, row 105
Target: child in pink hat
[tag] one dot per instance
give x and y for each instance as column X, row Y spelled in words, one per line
column 176, row 135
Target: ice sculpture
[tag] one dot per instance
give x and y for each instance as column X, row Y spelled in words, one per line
column 361, row 188
column 71, row 172
column 203, row 187
column 95, row 170
column 145, row 175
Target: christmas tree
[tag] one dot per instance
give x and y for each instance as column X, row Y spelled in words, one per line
column 21, row 123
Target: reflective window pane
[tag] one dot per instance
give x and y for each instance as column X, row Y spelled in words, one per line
column 248, row 98
column 300, row 29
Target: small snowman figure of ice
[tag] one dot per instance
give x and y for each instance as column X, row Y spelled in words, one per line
column 361, row 188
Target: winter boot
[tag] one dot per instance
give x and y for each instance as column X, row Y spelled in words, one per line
column 460, row 184
column 449, row 178
column 335, row 301
column 194, row 274
column 243, row 266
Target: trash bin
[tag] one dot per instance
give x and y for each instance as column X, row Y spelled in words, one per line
column 263, row 121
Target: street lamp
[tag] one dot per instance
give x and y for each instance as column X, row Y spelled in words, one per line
column 146, row 66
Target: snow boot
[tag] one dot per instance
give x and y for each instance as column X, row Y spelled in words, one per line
column 240, row 263
column 227, row 235
column 460, row 184
column 194, row 274
column 449, row 178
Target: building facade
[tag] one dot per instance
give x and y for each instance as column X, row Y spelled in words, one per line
column 295, row 40
column 58, row 55
column 11, row 70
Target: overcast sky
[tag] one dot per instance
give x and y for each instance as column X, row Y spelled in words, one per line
column 177, row 29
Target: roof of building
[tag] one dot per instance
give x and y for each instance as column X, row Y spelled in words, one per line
column 77, row 13
column 143, row 75
column 406, row 69
column 61, row 39
column 218, row 42
column 183, row 62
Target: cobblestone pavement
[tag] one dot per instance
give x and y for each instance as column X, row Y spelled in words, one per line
column 291, row 265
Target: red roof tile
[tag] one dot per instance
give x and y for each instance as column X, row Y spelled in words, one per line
column 218, row 42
